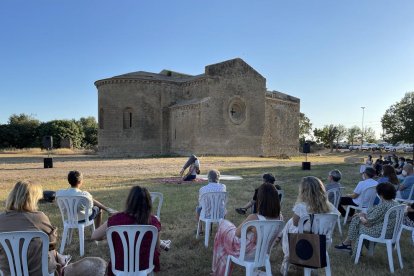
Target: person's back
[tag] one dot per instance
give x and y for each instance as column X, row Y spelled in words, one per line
column 408, row 184
column 334, row 177
column 360, row 188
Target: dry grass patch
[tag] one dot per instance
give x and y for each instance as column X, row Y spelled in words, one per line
column 109, row 180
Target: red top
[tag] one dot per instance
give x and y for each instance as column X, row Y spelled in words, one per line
column 125, row 219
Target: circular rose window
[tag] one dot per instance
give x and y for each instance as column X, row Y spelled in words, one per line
column 237, row 110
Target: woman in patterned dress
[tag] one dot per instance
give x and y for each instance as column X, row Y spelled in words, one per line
column 371, row 223
column 227, row 240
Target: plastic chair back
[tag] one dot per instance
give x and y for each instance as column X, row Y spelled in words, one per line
column 335, row 195
column 266, row 233
column 16, row 244
column 368, row 197
column 213, row 206
column 131, row 237
column 394, row 215
column 409, row 199
column 69, row 208
column 323, row 224
column 156, row 196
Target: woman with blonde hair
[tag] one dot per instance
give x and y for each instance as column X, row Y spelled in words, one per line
column 22, row 215
column 311, row 199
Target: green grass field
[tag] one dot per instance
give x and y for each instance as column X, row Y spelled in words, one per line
column 109, row 180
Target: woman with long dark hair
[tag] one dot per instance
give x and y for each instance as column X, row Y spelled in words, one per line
column 389, row 175
column 137, row 212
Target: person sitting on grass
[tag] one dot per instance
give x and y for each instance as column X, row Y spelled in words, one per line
column 354, row 199
column 267, row 178
column 137, row 211
column 228, row 237
column 212, row 186
column 193, row 165
column 311, row 199
column 75, row 179
column 371, row 223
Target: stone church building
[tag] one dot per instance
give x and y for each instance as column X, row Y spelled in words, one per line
column 225, row 111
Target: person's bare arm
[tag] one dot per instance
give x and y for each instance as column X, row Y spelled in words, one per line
column 100, row 232
column 353, row 195
column 100, row 205
column 249, row 218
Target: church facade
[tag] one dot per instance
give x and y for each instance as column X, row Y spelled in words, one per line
column 227, row 110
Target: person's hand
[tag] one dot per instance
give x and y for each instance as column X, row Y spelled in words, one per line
column 182, row 172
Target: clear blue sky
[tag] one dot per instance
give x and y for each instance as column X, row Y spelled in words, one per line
column 336, row 56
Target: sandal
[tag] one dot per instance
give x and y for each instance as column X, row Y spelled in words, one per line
column 344, row 247
column 241, row 211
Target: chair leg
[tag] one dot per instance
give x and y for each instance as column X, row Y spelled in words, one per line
column 198, row 230
column 359, row 248
column 227, row 266
column 81, row 240
column 207, row 234
column 390, row 260
column 63, row 242
column 268, row 267
column 346, row 214
column 328, row 265
column 397, row 247
column 249, row 270
column 307, row 271
column 339, row 227
column 70, row 235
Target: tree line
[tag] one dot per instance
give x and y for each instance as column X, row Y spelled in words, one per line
column 25, row 131
column 397, row 123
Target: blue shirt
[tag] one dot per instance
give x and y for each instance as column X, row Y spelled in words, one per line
column 407, row 184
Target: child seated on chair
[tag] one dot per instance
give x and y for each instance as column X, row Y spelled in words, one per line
column 227, row 240
column 75, row 179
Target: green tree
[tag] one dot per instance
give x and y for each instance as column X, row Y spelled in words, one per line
column 340, row 133
column 327, row 135
column 60, row 129
column 398, row 120
column 22, row 131
column 352, row 134
column 89, row 126
column 369, row 135
column 305, row 126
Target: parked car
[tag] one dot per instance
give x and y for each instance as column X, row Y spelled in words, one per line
column 398, row 147
column 383, row 145
column 369, row 146
column 408, row 148
column 354, row 147
column 389, row 147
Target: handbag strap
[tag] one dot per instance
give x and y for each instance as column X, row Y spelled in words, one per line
column 311, row 217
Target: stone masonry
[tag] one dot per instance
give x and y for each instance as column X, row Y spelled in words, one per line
column 225, row 111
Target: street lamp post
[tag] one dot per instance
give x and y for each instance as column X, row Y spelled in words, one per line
column 362, row 125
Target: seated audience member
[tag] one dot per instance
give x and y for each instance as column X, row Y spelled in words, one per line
column 227, row 240
column 267, row 178
column 378, row 165
column 333, row 182
column 369, row 161
column 193, row 165
column 401, row 163
column 75, row 180
column 371, row 223
column 354, row 199
column 408, row 182
column 22, row 214
column 212, row 186
column 137, row 211
column 389, row 175
column 409, row 216
column 311, row 200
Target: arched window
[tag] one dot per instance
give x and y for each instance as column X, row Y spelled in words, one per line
column 101, row 118
column 127, row 118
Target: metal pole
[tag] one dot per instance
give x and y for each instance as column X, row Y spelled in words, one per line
column 362, row 128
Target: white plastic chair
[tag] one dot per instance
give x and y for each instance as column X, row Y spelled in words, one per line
column 213, row 209
column 336, row 194
column 16, row 244
column 408, row 199
column 368, row 195
column 323, row 224
column 395, row 239
column 131, row 247
column 69, row 207
column 160, row 197
column 266, row 233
